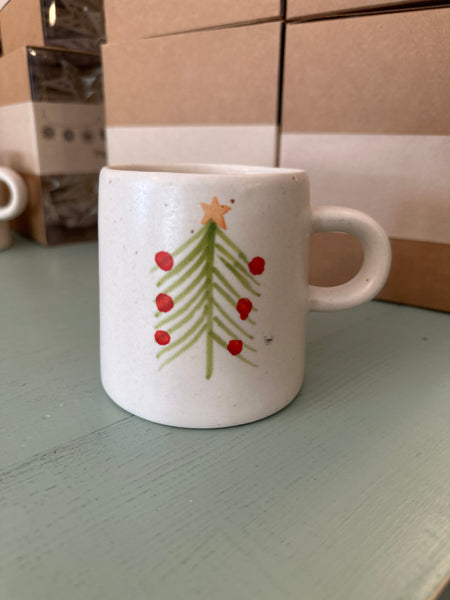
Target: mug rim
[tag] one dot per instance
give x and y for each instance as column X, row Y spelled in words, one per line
column 203, row 170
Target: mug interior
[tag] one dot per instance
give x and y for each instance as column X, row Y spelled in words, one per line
column 205, row 169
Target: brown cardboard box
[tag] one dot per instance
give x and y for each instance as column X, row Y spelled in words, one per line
column 365, row 112
column 136, row 19
column 420, row 271
column 61, row 208
column 311, row 9
column 206, row 96
column 51, row 131
column 51, row 111
column 1, row 45
column 70, row 24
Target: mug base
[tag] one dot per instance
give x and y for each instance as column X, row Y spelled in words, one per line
column 186, row 423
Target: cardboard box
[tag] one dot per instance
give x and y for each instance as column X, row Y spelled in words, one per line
column 1, row 46
column 70, row 24
column 207, row 96
column 51, row 112
column 52, row 132
column 61, row 208
column 137, row 19
column 312, row 9
column 372, row 128
column 419, row 275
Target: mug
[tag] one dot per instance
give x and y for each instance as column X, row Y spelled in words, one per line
column 204, row 288
column 13, row 206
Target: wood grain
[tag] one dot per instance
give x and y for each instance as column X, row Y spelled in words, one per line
column 344, row 494
column 49, row 373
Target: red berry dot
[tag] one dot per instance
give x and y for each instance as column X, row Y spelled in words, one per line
column 164, row 260
column 234, row 347
column 244, row 306
column 164, row 302
column 256, row 265
column 162, row 337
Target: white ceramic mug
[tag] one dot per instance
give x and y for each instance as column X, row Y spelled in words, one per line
column 203, row 288
column 13, row 205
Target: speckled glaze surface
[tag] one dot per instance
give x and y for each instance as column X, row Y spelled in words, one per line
column 203, row 288
column 13, row 199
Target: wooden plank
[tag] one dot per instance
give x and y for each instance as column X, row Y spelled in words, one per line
column 49, row 367
column 344, row 494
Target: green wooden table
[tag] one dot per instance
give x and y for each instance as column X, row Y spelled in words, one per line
column 345, row 494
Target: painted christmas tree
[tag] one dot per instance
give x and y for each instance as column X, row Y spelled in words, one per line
column 218, row 280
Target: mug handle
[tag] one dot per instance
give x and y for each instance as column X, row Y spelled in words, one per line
column 17, row 194
column 377, row 258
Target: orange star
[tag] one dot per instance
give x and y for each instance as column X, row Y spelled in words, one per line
column 214, row 212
